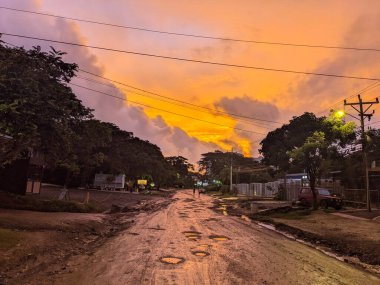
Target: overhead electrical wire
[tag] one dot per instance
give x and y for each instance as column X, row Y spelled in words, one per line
column 180, row 101
column 174, row 103
column 376, row 84
column 211, row 111
column 189, row 34
column 163, row 110
column 373, row 123
column 362, row 91
column 193, row 60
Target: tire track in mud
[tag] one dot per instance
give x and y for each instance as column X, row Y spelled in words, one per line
column 240, row 253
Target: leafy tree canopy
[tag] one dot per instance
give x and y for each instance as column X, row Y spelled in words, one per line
column 37, row 108
column 215, row 165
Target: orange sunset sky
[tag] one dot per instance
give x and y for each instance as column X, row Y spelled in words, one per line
column 265, row 95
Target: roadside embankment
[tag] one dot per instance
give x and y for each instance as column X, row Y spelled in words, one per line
column 346, row 235
column 44, row 239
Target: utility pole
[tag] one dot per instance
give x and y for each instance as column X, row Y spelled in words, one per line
column 363, row 108
column 232, row 151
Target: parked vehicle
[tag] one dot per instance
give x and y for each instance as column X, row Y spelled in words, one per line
column 324, row 198
column 109, row 181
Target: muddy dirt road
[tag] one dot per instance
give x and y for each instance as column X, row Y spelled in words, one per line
column 189, row 232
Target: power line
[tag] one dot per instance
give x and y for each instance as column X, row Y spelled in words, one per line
column 184, row 102
column 191, row 35
column 191, row 108
column 373, row 123
column 170, row 112
column 9, row 43
column 360, row 92
column 211, row 111
column 194, row 60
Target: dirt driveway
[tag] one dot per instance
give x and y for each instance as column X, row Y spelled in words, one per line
column 189, row 232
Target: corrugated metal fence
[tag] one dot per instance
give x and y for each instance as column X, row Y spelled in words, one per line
column 269, row 189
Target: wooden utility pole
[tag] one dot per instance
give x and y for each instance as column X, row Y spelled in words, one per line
column 232, row 152
column 363, row 108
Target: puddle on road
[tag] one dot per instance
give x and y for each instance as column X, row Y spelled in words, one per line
column 203, row 247
column 245, row 218
column 172, row 260
column 219, row 238
column 200, row 253
column 188, row 200
column 157, row 229
column 192, row 235
column 183, row 214
column 223, row 208
column 211, row 220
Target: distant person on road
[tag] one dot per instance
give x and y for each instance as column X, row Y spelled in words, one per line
column 193, row 191
column 199, row 193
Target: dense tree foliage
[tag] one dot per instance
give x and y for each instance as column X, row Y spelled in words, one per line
column 216, row 165
column 37, row 108
column 182, row 171
column 276, row 145
column 39, row 111
column 310, row 143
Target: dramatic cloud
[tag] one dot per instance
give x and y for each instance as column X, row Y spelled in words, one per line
column 249, row 107
column 172, row 140
column 274, row 95
column 317, row 92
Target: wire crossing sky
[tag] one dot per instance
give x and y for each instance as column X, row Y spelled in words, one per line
column 180, row 57
column 192, row 35
column 193, row 60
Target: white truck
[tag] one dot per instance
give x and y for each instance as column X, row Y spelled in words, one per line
column 109, row 181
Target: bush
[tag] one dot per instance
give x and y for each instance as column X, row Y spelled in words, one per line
column 10, row 201
column 225, row 189
column 281, row 194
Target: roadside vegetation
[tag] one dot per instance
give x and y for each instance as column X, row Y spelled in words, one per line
column 43, row 117
column 10, row 201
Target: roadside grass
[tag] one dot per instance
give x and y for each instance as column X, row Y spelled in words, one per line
column 11, row 201
column 8, row 239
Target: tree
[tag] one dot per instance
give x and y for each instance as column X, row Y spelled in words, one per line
column 134, row 157
column 180, row 164
column 319, row 147
column 181, row 168
column 39, row 111
column 216, row 165
column 310, row 156
column 87, row 149
column 276, row 145
column 37, row 108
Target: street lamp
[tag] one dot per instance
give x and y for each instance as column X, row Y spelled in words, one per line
column 339, row 114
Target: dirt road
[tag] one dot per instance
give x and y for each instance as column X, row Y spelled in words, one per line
column 250, row 255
